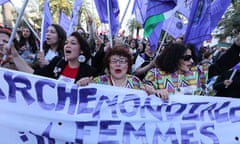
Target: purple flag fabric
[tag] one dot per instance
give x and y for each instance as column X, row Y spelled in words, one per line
column 218, row 7
column 154, row 8
column 199, row 23
column 237, row 66
column 102, row 9
column 3, row 1
column 64, row 21
column 74, row 18
column 154, row 37
column 139, row 10
column 175, row 26
column 143, row 9
column 47, row 19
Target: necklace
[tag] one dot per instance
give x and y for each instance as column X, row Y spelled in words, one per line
column 123, row 84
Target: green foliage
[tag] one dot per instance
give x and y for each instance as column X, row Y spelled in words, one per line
column 133, row 24
column 66, row 6
column 229, row 24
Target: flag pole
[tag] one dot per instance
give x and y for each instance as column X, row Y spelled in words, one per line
column 232, row 75
column 124, row 14
column 42, row 32
column 15, row 27
column 164, row 37
column 34, row 32
column 109, row 23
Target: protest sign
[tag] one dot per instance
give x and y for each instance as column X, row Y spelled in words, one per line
column 38, row 110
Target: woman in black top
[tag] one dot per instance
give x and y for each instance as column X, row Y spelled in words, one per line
column 69, row 68
column 228, row 88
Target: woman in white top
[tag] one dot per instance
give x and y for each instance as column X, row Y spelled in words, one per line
column 53, row 45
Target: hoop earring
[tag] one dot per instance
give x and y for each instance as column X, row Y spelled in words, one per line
column 81, row 58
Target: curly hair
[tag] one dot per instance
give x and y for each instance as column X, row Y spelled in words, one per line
column 119, row 51
column 168, row 60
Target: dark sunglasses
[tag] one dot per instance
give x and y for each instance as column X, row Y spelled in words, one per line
column 187, row 57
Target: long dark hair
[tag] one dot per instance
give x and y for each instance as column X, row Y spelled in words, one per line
column 32, row 40
column 62, row 36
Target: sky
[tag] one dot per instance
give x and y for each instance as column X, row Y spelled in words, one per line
column 123, row 5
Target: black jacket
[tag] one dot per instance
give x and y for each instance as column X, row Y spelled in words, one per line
column 57, row 65
column 226, row 62
column 232, row 90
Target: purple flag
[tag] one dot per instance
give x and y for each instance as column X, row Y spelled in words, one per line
column 154, row 19
column 64, row 21
column 47, row 19
column 156, row 7
column 218, row 7
column 144, row 9
column 139, row 10
column 3, row 1
column 102, row 9
column 74, row 19
column 237, row 66
column 154, row 37
column 174, row 25
column 199, row 23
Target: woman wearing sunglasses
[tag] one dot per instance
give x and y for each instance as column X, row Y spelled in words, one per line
column 176, row 72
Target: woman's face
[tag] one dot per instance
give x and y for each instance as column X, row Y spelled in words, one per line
column 186, row 62
column 140, row 46
column 98, row 41
column 148, row 50
column 26, row 33
column 118, row 66
column 51, row 36
column 71, row 48
column 133, row 44
column 4, row 38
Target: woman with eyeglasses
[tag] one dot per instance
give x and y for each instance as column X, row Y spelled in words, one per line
column 175, row 71
column 118, row 65
column 118, row 62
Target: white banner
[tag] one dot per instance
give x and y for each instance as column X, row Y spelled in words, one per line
column 38, row 110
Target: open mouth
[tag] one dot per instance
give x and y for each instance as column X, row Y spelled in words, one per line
column 68, row 51
column 118, row 71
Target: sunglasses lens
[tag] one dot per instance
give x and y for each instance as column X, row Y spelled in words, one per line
column 187, row 57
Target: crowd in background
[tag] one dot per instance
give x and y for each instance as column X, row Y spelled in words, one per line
column 84, row 58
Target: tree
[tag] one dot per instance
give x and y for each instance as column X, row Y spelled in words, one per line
column 66, row 5
column 57, row 6
column 134, row 24
column 229, row 24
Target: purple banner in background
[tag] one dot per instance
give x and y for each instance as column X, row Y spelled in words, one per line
column 101, row 6
column 199, row 27
column 3, row 1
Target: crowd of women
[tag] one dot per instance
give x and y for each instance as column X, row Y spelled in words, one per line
column 82, row 60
